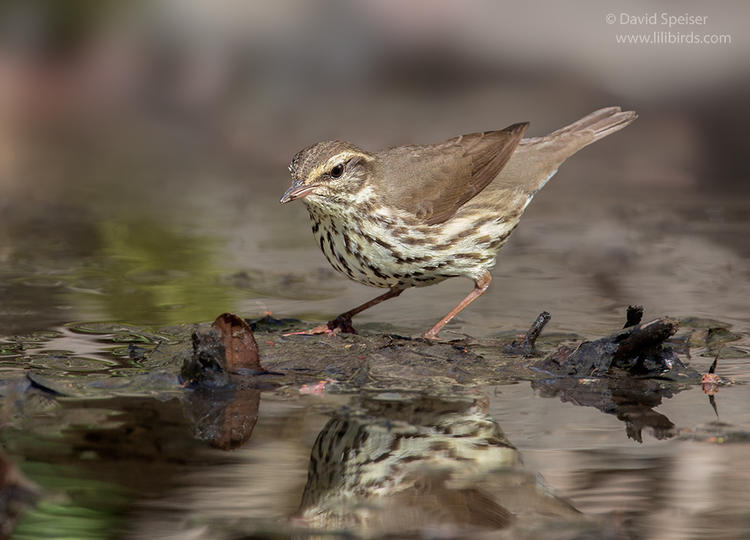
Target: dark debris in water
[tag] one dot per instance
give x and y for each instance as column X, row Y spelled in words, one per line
column 527, row 346
column 637, row 350
column 627, row 374
column 227, row 348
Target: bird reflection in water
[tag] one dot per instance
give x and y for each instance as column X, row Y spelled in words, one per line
column 408, row 463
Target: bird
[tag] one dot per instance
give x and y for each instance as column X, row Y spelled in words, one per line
column 416, row 215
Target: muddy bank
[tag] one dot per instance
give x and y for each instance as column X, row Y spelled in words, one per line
column 220, row 370
column 269, row 358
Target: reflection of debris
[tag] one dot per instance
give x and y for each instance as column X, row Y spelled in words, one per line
column 630, row 399
column 224, row 417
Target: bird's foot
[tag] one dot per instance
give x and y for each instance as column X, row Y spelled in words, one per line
column 341, row 324
column 431, row 336
column 322, row 329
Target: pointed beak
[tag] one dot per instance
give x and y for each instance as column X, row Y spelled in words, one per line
column 297, row 191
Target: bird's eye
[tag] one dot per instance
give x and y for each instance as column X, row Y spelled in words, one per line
column 337, row 171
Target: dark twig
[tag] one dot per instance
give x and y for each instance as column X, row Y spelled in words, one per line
column 527, row 346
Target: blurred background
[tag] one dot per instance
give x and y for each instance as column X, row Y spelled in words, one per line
column 144, row 145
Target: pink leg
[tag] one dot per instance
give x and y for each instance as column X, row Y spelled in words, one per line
column 480, row 285
column 343, row 323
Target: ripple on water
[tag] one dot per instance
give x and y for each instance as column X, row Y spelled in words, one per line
column 83, row 348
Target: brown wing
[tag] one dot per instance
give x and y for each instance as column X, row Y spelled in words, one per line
column 433, row 181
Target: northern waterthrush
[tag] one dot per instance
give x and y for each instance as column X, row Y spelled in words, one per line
column 416, row 215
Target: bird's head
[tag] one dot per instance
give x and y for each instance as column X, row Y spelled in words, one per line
column 328, row 170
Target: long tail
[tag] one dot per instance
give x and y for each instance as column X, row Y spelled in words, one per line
column 590, row 128
column 537, row 159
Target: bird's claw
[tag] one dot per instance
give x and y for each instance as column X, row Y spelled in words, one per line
column 338, row 325
column 342, row 324
column 322, row 329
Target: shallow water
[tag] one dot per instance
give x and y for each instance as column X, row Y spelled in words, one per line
column 91, row 285
column 135, row 464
